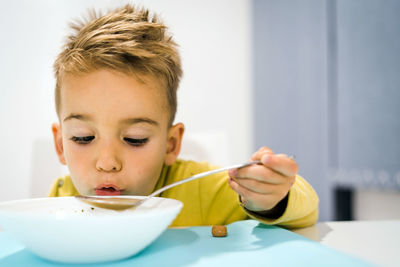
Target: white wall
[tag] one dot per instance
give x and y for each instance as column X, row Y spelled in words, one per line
column 215, row 93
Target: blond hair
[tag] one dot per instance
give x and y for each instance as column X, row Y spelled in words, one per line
column 128, row 39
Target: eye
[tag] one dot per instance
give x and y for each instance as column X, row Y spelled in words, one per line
column 136, row 142
column 83, row 140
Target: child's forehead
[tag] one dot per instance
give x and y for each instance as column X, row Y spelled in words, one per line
column 107, row 85
column 141, row 78
column 79, row 82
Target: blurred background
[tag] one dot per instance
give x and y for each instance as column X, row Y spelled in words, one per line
column 318, row 79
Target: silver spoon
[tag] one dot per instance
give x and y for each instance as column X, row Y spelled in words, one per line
column 121, row 203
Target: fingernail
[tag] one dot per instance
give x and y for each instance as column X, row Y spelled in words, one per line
column 233, row 172
column 265, row 159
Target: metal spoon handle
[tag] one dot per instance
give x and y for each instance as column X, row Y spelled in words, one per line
column 203, row 174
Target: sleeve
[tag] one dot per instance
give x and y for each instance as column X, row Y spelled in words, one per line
column 207, row 201
column 220, row 203
column 301, row 209
column 217, row 203
column 54, row 188
column 63, row 187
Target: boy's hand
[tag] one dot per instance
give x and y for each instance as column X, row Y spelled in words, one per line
column 262, row 187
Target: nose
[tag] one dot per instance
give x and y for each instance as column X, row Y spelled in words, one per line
column 107, row 160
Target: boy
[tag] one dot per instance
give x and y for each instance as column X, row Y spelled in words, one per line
column 115, row 93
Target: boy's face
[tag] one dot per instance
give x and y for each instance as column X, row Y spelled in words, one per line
column 113, row 133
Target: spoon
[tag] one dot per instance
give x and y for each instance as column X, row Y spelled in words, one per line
column 121, row 203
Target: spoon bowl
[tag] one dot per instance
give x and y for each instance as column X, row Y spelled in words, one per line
column 114, row 203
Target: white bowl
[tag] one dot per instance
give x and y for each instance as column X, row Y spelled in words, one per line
column 65, row 229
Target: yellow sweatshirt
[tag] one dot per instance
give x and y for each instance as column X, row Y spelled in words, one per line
column 210, row 200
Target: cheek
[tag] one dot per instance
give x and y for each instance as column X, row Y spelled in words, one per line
column 77, row 161
column 145, row 168
column 150, row 160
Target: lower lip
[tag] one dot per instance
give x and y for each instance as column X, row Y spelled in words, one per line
column 102, row 192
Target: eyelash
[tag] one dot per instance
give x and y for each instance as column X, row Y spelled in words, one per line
column 136, row 142
column 84, row 140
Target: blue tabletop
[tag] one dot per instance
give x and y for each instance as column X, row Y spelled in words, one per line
column 248, row 244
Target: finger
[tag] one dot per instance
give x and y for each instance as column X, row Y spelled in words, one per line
column 260, row 152
column 257, row 186
column 280, row 163
column 253, row 200
column 243, row 191
column 260, row 173
column 264, row 187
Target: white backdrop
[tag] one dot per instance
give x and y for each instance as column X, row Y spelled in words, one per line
column 214, row 96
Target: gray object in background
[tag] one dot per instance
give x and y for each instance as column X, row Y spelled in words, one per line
column 327, row 87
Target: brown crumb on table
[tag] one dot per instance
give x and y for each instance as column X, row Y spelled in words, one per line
column 219, row 231
column 91, row 208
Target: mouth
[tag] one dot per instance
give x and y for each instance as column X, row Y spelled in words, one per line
column 108, row 190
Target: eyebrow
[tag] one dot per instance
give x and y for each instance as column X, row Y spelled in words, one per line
column 140, row 120
column 125, row 121
column 76, row 116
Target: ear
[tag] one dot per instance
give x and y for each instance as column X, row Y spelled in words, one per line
column 57, row 135
column 174, row 141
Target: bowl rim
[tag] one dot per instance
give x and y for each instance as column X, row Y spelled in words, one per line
column 113, row 213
